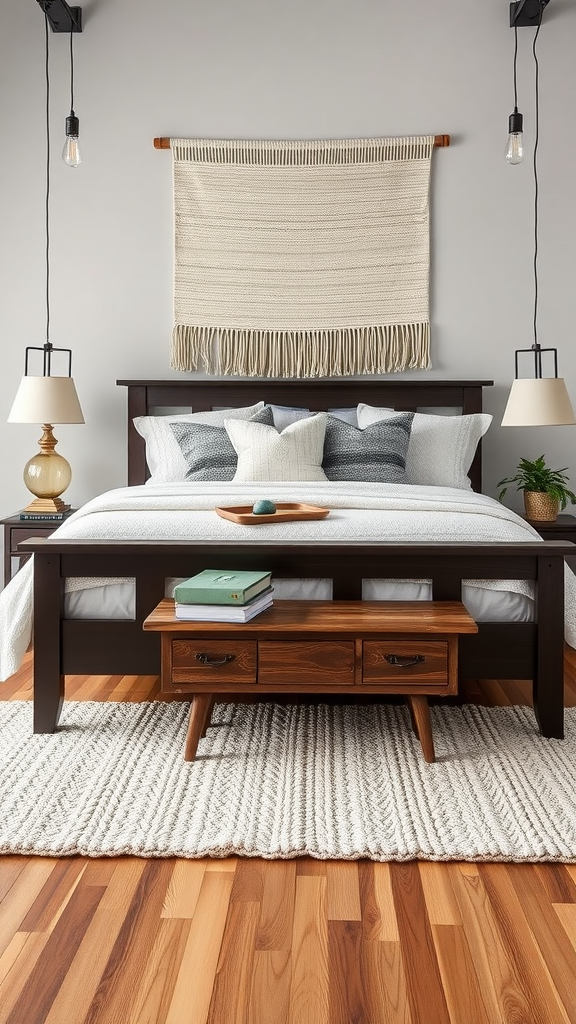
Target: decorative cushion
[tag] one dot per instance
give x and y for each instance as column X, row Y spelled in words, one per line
column 293, row 454
column 163, row 455
column 376, row 454
column 208, row 451
column 441, row 448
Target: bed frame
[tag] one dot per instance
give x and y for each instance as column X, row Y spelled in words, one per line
column 523, row 650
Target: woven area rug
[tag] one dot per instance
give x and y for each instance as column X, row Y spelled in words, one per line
column 283, row 780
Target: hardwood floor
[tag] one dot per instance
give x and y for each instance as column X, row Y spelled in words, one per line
column 130, row 941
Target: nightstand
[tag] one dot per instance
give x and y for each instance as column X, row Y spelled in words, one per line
column 15, row 530
column 563, row 528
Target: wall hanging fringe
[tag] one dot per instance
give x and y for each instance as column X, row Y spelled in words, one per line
column 301, row 259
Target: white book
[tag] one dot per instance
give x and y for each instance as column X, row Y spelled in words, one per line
column 222, row 612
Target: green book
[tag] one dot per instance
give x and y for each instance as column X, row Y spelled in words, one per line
column 219, row 586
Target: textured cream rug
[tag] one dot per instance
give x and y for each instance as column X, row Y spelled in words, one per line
column 281, row 781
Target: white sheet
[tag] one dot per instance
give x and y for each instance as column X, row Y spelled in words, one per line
column 360, row 513
column 118, row 601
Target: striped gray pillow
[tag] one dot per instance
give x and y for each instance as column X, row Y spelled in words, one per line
column 207, row 449
column 368, row 455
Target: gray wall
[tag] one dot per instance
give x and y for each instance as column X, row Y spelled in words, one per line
column 264, row 69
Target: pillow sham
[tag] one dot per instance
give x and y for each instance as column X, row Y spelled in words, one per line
column 376, row 454
column 265, row 454
column 163, row 455
column 441, row 448
column 284, row 415
column 208, row 451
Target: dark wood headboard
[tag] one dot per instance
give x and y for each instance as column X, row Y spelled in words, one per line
column 151, row 397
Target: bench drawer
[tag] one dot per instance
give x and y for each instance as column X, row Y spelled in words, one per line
column 404, row 662
column 207, row 662
column 322, row 663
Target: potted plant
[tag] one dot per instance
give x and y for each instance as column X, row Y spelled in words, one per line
column 545, row 490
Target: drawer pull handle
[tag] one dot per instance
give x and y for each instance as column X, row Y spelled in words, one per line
column 404, row 662
column 214, row 662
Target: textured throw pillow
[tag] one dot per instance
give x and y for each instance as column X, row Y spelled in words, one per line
column 163, row 455
column 441, row 448
column 376, row 454
column 208, row 451
column 264, row 454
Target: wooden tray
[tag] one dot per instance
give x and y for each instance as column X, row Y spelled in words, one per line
column 286, row 512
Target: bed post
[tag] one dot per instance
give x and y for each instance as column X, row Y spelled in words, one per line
column 548, row 684
column 48, row 676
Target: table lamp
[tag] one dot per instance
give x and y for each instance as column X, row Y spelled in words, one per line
column 46, row 400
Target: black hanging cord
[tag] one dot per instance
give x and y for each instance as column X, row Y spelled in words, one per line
column 48, row 345
column 515, row 63
column 535, row 167
column 71, row 73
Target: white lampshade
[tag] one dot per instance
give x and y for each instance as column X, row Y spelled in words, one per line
column 46, row 400
column 538, row 402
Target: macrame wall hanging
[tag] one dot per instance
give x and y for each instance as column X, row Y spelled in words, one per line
column 301, row 259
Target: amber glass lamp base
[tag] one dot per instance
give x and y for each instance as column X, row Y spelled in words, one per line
column 47, row 475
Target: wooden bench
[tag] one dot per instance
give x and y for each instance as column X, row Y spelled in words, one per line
column 316, row 647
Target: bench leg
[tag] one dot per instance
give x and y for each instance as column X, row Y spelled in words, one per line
column 199, row 718
column 420, row 715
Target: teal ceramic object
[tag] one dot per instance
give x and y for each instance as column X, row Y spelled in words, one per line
column 264, row 507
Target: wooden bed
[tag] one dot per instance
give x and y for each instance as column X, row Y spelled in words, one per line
column 524, row 650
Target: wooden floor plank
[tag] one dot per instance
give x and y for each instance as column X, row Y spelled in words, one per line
column 309, row 990
column 192, row 993
column 343, row 891
column 277, row 908
column 441, row 903
column 349, row 999
column 231, row 992
column 270, row 986
column 184, row 889
column 462, row 987
column 425, row 991
column 384, row 984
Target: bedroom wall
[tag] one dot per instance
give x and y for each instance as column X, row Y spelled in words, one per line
column 264, row 69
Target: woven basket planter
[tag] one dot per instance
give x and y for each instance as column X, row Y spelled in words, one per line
column 540, row 507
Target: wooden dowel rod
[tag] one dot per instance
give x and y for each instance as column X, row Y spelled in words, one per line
column 439, row 140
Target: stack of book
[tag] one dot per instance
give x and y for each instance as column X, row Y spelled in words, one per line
column 218, row 596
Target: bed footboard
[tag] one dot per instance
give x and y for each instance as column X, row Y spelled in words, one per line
column 499, row 650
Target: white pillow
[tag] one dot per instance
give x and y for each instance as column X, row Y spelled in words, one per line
column 266, row 454
column 441, row 448
column 163, row 453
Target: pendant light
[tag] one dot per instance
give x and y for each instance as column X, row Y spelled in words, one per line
column 71, row 153
column 536, row 400
column 515, row 145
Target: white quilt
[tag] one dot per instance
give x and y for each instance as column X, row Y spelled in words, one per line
column 360, row 513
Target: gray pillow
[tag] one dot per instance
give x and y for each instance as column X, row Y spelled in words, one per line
column 369, row 455
column 207, row 449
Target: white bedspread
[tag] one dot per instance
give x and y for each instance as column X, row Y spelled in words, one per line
column 360, row 513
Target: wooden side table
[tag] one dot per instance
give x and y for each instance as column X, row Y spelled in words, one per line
column 563, row 528
column 353, row 647
column 15, row 530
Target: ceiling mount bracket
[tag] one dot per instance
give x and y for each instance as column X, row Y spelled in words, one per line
column 61, row 17
column 526, row 12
